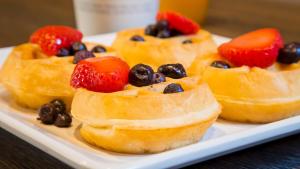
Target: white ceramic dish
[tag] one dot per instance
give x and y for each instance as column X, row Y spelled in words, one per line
column 65, row 144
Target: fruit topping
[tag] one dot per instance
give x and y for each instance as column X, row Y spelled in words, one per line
column 99, row 49
column 173, row 88
column 59, row 105
column 52, row 38
column 164, row 34
column 63, row 120
column 141, row 75
column 137, row 38
column 289, row 54
column 162, row 25
column 47, row 113
column 151, row 30
column 258, row 48
column 81, row 55
column 178, row 22
column 175, row 71
column 188, row 41
column 103, row 74
column 76, row 47
column 220, row 64
column 63, row 52
column 158, row 78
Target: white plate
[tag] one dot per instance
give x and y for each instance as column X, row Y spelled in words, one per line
column 65, row 144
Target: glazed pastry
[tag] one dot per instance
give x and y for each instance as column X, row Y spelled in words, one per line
column 173, row 39
column 34, row 76
column 152, row 114
column 248, row 82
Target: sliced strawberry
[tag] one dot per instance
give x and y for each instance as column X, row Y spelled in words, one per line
column 258, row 48
column 52, row 38
column 103, row 74
column 179, row 22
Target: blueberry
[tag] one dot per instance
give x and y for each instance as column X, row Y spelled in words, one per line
column 99, row 49
column 175, row 32
column 140, row 75
column 289, row 54
column 158, row 78
column 164, row 34
column 175, row 71
column 63, row 52
column 220, row 64
column 47, row 113
column 137, row 38
column 77, row 46
column 151, row 30
column 63, row 120
column 188, row 41
column 81, row 55
column 162, row 25
column 173, row 88
column 59, row 105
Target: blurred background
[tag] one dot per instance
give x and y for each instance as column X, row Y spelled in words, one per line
column 19, row 18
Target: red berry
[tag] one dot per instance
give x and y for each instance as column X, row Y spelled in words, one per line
column 179, row 22
column 103, row 74
column 258, row 48
column 52, row 38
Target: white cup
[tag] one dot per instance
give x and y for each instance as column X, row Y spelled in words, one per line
column 102, row 16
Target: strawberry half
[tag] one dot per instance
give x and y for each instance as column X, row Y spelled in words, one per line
column 179, row 22
column 103, row 74
column 52, row 38
column 258, row 48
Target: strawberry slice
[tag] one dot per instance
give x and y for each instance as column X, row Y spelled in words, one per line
column 258, row 48
column 179, row 22
column 103, row 74
column 53, row 37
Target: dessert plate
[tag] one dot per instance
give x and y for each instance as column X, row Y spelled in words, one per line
column 66, row 145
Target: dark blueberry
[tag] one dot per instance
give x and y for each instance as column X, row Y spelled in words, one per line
column 63, row 120
column 81, row 55
column 63, row 52
column 47, row 113
column 99, row 49
column 137, row 38
column 188, row 41
column 151, row 30
column 158, row 78
column 162, row 25
column 175, row 71
column 220, row 64
column 60, row 106
column 173, row 88
column 164, row 34
column 77, row 46
column 175, row 32
column 140, row 75
column 290, row 53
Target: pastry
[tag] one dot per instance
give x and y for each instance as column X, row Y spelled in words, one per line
column 32, row 73
column 153, row 113
column 173, row 39
column 256, row 79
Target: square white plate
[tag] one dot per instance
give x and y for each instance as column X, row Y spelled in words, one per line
column 66, row 145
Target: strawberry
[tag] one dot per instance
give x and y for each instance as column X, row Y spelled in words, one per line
column 258, row 48
column 179, row 22
column 103, row 74
column 52, row 38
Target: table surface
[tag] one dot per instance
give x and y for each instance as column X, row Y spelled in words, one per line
column 227, row 17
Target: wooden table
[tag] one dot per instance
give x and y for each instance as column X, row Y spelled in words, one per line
column 227, row 17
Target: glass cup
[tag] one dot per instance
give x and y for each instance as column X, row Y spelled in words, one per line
column 102, row 16
column 194, row 9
